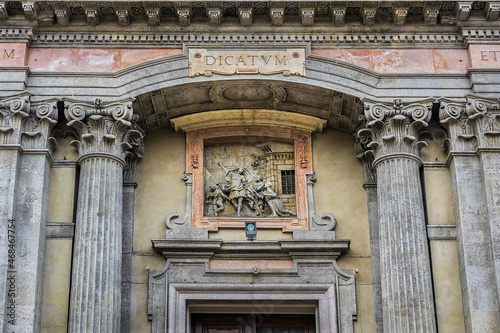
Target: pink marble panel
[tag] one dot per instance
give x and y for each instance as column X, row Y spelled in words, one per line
column 402, row 61
column 484, row 56
column 91, row 60
column 13, row 54
column 451, row 61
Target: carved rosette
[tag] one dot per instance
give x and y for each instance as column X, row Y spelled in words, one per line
column 394, row 128
column 104, row 128
column 38, row 126
column 484, row 115
column 13, row 112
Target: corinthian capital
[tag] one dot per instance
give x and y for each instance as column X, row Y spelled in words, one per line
column 393, row 128
column 38, row 126
column 484, row 116
column 452, row 116
column 13, row 112
column 104, row 128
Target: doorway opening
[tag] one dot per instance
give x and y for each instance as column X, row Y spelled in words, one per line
column 252, row 323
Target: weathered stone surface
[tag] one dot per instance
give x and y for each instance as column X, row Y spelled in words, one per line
column 407, row 296
column 104, row 130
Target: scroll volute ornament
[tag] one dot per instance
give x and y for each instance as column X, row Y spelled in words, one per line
column 38, row 126
column 461, row 135
column 484, row 115
column 13, row 112
column 394, row 128
column 102, row 127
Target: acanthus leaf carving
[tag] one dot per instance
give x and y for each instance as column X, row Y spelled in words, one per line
column 453, row 117
column 14, row 111
column 484, row 115
column 102, row 127
column 38, row 125
column 393, row 129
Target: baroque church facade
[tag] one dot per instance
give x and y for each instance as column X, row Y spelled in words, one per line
column 262, row 166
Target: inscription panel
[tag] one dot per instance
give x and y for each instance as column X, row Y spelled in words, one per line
column 13, row 54
column 485, row 56
column 227, row 62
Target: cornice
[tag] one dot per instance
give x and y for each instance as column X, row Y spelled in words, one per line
column 323, row 23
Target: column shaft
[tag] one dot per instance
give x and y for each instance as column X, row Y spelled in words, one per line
column 9, row 164
column 96, row 283
column 408, row 304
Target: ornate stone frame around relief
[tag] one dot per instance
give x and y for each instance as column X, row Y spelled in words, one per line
column 303, row 166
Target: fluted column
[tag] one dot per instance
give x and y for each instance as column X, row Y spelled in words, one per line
column 407, row 295
column 473, row 159
column 104, row 130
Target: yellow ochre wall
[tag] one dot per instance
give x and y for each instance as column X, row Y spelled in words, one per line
column 160, row 191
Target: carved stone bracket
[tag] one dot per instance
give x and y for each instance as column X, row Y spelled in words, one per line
column 366, row 157
column 173, row 220
column 133, row 156
column 13, row 112
column 327, row 222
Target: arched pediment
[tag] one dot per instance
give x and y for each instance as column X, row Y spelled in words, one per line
column 339, row 110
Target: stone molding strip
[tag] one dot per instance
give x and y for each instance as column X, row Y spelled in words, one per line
column 443, row 232
column 60, row 230
column 175, row 40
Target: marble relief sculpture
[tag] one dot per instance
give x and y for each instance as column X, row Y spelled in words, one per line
column 247, row 193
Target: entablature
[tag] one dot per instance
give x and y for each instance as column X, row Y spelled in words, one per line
column 180, row 21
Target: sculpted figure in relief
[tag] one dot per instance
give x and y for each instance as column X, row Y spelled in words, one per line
column 239, row 188
column 215, row 198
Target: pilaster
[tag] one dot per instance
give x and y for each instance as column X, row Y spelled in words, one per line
column 407, row 295
column 472, row 209
column 105, row 130
column 32, row 196
column 129, row 186
column 484, row 116
column 13, row 112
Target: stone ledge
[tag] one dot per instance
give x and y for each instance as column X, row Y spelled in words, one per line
column 60, row 230
column 444, row 232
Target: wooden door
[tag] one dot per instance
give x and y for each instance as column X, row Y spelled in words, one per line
column 248, row 323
